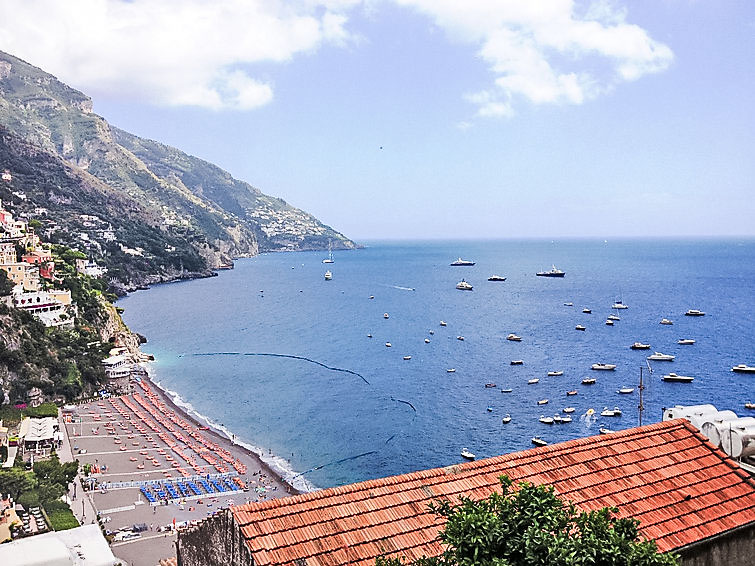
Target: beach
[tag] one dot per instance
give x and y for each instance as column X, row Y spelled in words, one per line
column 145, row 439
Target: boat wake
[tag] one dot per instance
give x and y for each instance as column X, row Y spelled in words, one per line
column 400, row 288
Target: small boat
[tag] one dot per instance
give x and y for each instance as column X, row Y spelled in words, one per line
column 407, row 357
column 553, row 272
column 514, row 338
column 490, row 385
column 369, row 336
column 572, row 392
column 659, row 357
column 462, row 262
column 533, row 381
column 450, row 370
column 517, row 362
column 606, row 412
column 613, row 317
column 431, row 332
column 506, row 419
column 463, row 286
column 490, row 409
column 386, row 315
column 666, row 321
column 639, row 346
column 496, row 278
column 588, row 381
column 568, row 304
column 685, row 341
column 587, row 311
column 328, row 275
column 579, row 327
column 750, row 406
column 543, row 402
column 506, row 390
column 677, row 378
column 387, row 344
column 443, row 323
column 604, row 367
column 569, row 410
column 546, row 420
column 566, row 419
column 460, row 338
column 557, row 419
column 555, row 373
column 537, row 441
column 329, row 259
column 467, row 454
column 619, row 305
column 743, row 368
column 604, row 430
column 694, row 312
column 427, row 340
column 609, row 322
column 626, row 390
column 372, row 297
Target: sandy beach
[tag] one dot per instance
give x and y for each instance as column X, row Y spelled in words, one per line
column 144, row 438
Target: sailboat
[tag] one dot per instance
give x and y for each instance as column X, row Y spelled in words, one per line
column 329, row 259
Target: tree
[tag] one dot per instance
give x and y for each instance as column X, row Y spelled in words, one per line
column 6, row 285
column 16, row 481
column 531, row 526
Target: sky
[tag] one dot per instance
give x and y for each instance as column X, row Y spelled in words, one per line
column 434, row 119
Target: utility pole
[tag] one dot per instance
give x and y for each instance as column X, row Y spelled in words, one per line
column 641, row 406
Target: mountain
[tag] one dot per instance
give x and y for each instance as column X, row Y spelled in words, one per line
column 147, row 211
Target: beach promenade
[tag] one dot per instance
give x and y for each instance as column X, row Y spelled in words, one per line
column 140, row 450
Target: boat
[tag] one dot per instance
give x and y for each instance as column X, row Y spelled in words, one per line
column 386, row 315
column 566, row 419
column 496, row 278
column 558, row 419
column 553, row 272
column 387, row 344
column 677, row 378
column 588, row 381
column 369, row 336
column 587, row 311
column 460, row 338
column 490, row 409
column 660, row 357
column 490, row 385
column 568, row 410
column 750, row 406
column 427, row 340
column 685, row 341
column 443, row 323
column 462, row 262
column 572, row 392
column 619, row 305
column 604, row 367
column 568, row 304
column 328, row 275
column 431, row 332
column 407, row 357
column 626, row 390
column 694, row 312
column 543, row 402
column 533, row 381
column 742, row 368
column 609, row 322
column 514, row 338
column 329, row 259
column 666, row 321
column 604, row 430
column 537, row 441
column 546, row 420
column 450, row 370
column 606, row 412
column 463, row 286
column 517, row 362
column 555, row 373
column 579, row 327
column 640, row 346
column 506, row 419
column 613, row 317
column 467, row 454
column 506, row 390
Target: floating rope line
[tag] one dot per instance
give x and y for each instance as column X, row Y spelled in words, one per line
column 334, row 462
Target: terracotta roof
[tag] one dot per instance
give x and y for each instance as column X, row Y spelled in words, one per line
column 667, row 475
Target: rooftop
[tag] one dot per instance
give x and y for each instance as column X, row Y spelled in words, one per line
column 667, row 475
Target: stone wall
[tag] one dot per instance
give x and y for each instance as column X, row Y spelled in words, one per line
column 730, row 549
column 216, row 541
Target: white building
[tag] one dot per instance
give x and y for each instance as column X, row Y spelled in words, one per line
column 82, row 546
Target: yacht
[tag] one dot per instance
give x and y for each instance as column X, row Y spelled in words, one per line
column 517, row 362
column 685, row 341
column 496, row 278
column 467, row 454
column 463, row 286
column 588, row 381
column 606, row 367
column 555, row 373
column 543, row 402
column 546, row 420
column 579, row 327
column 553, row 272
column 533, row 381
column 462, row 262
column 626, row 390
column 329, row 259
column 328, row 275
column 694, row 312
column 640, row 346
column 606, row 412
column 506, row 419
column 619, row 305
column 677, row 378
column 659, row 357
column 666, row 321
column 742, row 368
column 514, row 338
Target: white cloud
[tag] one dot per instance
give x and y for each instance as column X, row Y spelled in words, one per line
column 172, row 52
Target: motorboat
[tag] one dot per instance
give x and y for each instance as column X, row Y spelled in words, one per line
column 666, row 321
column 742, row 368
column 604, row 430
column 533, row 381
column 407, row 357
column 386, row 315
column 553, row 272
column 369, row 336
column 571, row 392
column 463, row 286
column 451, row 370
column 588, row 381
column 694, row 312
column 587, row 311
column 557, row 419
column 750, row 406
column 514, row 338
column 537, row 441
column 569, row 304
column 606, row 412
column 626, row 390
column 461, row 338
column 569, row 410
column 660, row 357
column 517, row 362
column 640, row 346
column 490, row 385
column 427, row 340
column 609, row 322
column 613, row 317
column 443, row 323
column 431, row 332
column 555, row 373
column 685, row 341
column 566, row 419
column 506, row 390
column 462, row 262
column 678, row 378
column 543, row 402
column 546, row 420
column 496, row 278
column 579, row 327
column 604, row 367
column 467, row 454
column 490, row 409
column 388, row 344
column 619, row 305
column 506, row 419
column 328, row 275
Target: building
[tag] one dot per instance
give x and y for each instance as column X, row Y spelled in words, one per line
column 52, row 307
column 37, row 257
column 687, row 494
column 38, row 436
column 7, row 252
column 82, row 546
column 22, row 274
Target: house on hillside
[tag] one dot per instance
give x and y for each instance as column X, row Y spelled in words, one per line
column 7, row 252
column 52, row 308
column 22, row 274
column 687, row 494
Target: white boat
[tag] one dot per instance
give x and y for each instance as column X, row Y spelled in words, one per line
column 572, row 392
column 552, row 272
column 569, row 304
column 640, row 346
column 462, row 262
column 694, row 312
column 546, row 420
column 685, row 341
column 588, row 381
column 506, row 390
column 604, row 430
column 543, row 402
column 743, row 368
column 677, row 378
column 432, row 332
column 660, row 357
column 386, row 315
column 606, row 412
column 626, row 390
column 328, row 275
column 517, row 362
column 369, row 336
column 613, row 317
column 490, row 409
column 463, row 286
column 579, row 327
column 460, row 338
column 427, row 340
column 609, row 322
column 506, row 419
column 569, row 410
column 407, row 357
column 604, row 367
column 450, row 370
column 557, row 419
column 496, row 278
column 329, row 259
column 388, row 344
column 566, row 419
column 467, row 454
column 555, row 373
column 666, row 321
column 514, row 338
column 490, row 385
column 537, row 441
column 619, row 305
column 587, row 311
column 443, row 323
column 533, row 381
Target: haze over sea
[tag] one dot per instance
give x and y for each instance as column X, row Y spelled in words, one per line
column 387, row 415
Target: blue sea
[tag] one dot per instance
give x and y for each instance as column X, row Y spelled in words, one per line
column 282, row 359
